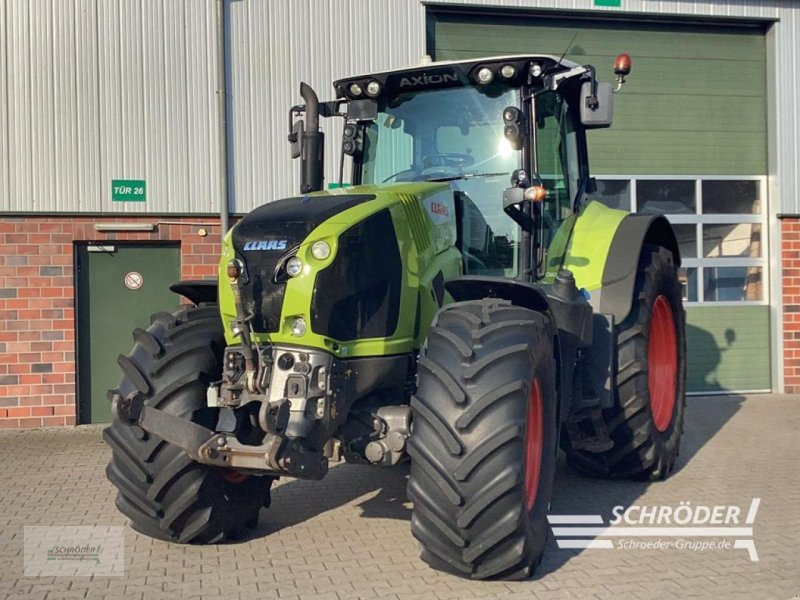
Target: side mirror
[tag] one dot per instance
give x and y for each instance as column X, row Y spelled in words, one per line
column 597, row 110
column 296, row 138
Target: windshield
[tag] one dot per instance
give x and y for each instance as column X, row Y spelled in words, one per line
column 439, row 134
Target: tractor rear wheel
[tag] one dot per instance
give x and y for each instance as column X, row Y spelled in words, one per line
column 484, row 438
column 164, row 493
column 646, row 421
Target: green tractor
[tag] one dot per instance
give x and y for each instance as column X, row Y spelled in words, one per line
column 462, row 303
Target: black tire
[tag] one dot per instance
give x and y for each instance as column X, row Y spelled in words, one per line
column 164, row 493
column 644, row 448
column 468, row 445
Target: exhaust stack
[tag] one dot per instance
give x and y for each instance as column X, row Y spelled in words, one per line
column 312, row 159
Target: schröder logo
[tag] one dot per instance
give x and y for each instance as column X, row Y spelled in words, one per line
column 678, row 524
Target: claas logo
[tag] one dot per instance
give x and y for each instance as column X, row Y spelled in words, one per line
column 265, row 245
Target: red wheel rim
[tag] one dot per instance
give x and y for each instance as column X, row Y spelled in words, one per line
column 533, row 444
column 233, row 476
column 662, row 359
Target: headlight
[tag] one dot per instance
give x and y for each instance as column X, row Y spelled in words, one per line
column 508, row 71
column 294, row 266
column 320, row 250
column 485, row 76
column 298, row 327
column 373, row 88
column 355, row 89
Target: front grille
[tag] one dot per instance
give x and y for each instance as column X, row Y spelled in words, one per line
column 266, row 236
column 262, row 296
column 358, row 295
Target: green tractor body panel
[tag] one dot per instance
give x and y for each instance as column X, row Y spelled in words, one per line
column 424, row 229
column 589, row 244
column 420, row 233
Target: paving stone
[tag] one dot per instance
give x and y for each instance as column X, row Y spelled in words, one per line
column 347, row 537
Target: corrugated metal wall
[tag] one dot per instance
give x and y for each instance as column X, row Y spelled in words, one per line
column 93, row 90
column 276, row 44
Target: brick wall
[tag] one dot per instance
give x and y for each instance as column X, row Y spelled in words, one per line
column 790, row 270
column 37, row 327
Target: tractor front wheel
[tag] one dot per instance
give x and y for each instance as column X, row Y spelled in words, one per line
column 483, row 446
column 164, row 493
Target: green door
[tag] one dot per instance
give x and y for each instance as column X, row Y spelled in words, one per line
column 118, row 287
column 690, row 132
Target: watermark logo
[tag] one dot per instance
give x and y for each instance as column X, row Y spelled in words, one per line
column 86, row 552
column 683, row 527
column 74, row 551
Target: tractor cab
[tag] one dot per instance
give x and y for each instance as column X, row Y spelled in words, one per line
column 482, row 125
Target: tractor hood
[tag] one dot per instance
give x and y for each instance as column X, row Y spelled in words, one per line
column 265, row 238
column 359, row 288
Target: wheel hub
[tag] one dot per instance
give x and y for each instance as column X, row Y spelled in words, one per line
column 533, row 444
column 662, row 359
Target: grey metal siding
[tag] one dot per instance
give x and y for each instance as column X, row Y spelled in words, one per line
column 276, row 44
column 99, row 90
column 93, row 90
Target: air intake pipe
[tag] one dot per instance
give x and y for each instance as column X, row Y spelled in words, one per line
column 312, row 160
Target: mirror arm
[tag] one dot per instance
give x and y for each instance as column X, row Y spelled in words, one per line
column 591, row 101
column 295, row 111
column 331, row 108
column 512, row 198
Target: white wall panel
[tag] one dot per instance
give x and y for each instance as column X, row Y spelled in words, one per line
column 4, row 110
column 95, row 90
column 275, row 45
column 92, row 90
column 18, row 107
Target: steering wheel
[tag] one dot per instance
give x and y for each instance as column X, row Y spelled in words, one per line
column 448, row 164
column 411, row 174
column 453, row 160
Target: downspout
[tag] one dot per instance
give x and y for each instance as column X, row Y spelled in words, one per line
column 222, row 115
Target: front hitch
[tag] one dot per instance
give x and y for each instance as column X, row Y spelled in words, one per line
column 276, row 455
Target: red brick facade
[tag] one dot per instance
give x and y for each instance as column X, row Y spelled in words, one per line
column 790, row 271
column 37, row 318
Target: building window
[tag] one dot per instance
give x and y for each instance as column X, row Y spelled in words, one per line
column 719, row 223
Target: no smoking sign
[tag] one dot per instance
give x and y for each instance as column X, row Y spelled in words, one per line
column 133, row 280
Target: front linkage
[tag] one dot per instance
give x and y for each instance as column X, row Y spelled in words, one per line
column 287, row 403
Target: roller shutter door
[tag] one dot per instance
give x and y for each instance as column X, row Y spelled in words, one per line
column 689, row 138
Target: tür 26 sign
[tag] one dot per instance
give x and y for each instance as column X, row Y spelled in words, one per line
column 128, row 190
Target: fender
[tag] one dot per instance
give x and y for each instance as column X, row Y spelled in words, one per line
column 619, row 274
column 603, row 253
column 197, row 291
column 476, row 287
column 585, row 242
column 603, row 246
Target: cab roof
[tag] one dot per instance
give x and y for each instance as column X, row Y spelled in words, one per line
column 449, row 73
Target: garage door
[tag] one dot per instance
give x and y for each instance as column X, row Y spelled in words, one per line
column 689, row 140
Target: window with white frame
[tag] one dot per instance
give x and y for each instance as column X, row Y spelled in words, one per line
column 720, row 223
